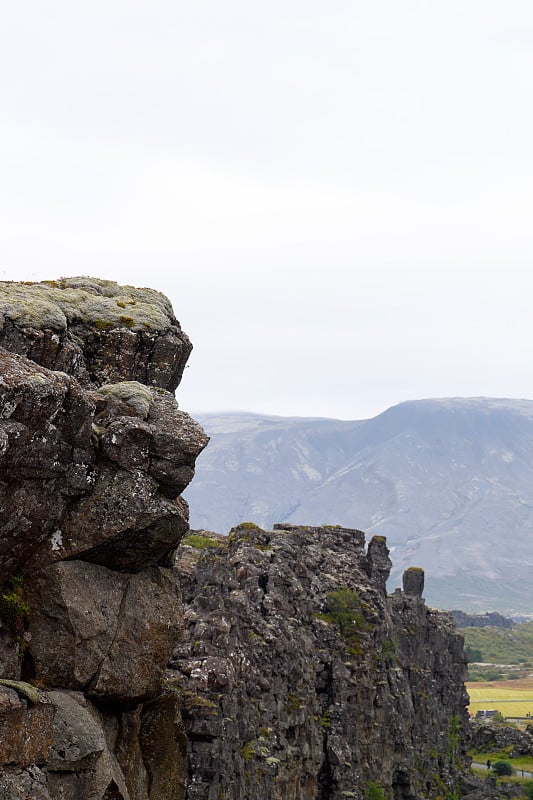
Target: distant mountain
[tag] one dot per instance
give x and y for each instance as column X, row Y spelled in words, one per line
column 449, row 482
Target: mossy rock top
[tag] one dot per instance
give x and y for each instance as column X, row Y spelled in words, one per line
column 86, row 301
column 138, row 396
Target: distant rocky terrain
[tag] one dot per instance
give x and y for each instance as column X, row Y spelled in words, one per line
column 489, row 619
column 448, row 482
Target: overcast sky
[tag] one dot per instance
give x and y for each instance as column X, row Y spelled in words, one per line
column 337, row 197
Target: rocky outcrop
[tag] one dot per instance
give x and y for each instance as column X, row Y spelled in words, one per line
column 486, row 736
column 296, row 677
column 95, row 330
column 490, row 618
column 94, row 455
column 302, row 679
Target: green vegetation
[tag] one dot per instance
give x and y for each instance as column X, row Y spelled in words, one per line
column 454, row 737
column 344, row 607
column 195, row 703
column 249, row 751
column 510, row 698
column 325, row 721
column 24, row 689
column 200, row 542
column 501, row 645
column 374, row 791
column 473, row 653
column 388, row 649
column 90, row 301
column 102, row 324
column 518, row 763
column 14, row 609
column 294, row 703
column 502, row 768
column 135, row 394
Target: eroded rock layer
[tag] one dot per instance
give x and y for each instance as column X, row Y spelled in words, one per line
column 302, row 679
column 94, row 455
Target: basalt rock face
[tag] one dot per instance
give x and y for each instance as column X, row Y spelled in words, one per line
column 94, row 455
column 302, row 679
column 488, row 736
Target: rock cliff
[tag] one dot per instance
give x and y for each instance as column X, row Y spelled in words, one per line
column 302, row 679
column 94, row 455
column 290, row 675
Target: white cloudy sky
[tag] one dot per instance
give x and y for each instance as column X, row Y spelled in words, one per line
column 337, row 197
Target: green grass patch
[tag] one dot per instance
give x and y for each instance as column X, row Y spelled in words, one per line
column 510, row 698
column 519, row 763
column 200, row 542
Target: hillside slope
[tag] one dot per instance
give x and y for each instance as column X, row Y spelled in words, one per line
column 449, row 482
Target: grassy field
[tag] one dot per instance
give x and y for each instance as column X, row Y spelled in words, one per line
column 510, row 698
column 502, row 645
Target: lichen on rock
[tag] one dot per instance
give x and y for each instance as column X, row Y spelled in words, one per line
column 89, row 301
column 95, row 330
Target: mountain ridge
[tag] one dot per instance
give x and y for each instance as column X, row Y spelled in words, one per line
column 449, row 481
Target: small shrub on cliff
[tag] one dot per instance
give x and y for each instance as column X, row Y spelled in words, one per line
column 374, row 791
column 325, row 721
column 454, row 737
column 388, row 650
column 13, row 608
column 343, row 606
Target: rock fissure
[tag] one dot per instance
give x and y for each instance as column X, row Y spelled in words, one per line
column 93, row 681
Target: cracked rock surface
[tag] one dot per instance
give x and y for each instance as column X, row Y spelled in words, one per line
column 287, row 695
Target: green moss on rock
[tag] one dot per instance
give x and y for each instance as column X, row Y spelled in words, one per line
column 199, row 542
column 135, row 394
column 88, row 301
column 28, row 691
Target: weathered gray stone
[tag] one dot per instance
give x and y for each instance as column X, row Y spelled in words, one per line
column 379, row 563
column 46, row 456
column 78, row 740
column 413, row 581
column 25, row 728
column 104, row 632
column 93, row 458
column 146, row 634
column 164, row 747
column 126, row 523
column 75, row 608
column 83, row 764
column 23, row 784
